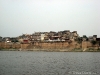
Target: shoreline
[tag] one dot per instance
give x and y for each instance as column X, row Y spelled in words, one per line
column 51, row 50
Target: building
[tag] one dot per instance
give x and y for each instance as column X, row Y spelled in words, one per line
column 42, row 37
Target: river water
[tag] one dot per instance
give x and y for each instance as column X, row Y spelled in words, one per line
column 49, row 63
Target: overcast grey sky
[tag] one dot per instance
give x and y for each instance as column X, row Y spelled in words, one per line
column 29, row 16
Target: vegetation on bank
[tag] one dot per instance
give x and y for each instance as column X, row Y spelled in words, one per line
column 54, row 50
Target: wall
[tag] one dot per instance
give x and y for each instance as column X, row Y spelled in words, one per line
column 88, row 45
column 55, row 45
column 42, row 45
column 49, row 45
column 24, row 46
column 9, row 45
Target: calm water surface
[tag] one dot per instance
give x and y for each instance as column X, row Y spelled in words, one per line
column 49, row 63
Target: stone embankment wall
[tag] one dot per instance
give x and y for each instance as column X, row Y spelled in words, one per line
column 89, row 45
column 49, row 45
column 4, row 45
column 42, row 45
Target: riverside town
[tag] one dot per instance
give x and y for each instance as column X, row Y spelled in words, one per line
column 51, row 41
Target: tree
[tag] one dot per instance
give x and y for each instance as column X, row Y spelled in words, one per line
column 84, row 36
column 79, row 40
column 94, row 42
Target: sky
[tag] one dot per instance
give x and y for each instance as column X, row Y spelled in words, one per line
column 19, row 17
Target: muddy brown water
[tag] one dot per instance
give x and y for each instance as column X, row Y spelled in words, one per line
column 49, row 63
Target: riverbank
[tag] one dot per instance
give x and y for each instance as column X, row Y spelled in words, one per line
column 51, row 46
column 53, row 50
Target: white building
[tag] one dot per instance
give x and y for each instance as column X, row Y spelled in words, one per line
column 42, row 37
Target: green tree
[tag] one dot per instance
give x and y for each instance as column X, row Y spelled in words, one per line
column 94, row 42
column 79, row 40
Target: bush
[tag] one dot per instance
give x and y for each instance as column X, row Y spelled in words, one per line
column 79, row 40
column 94, row 42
